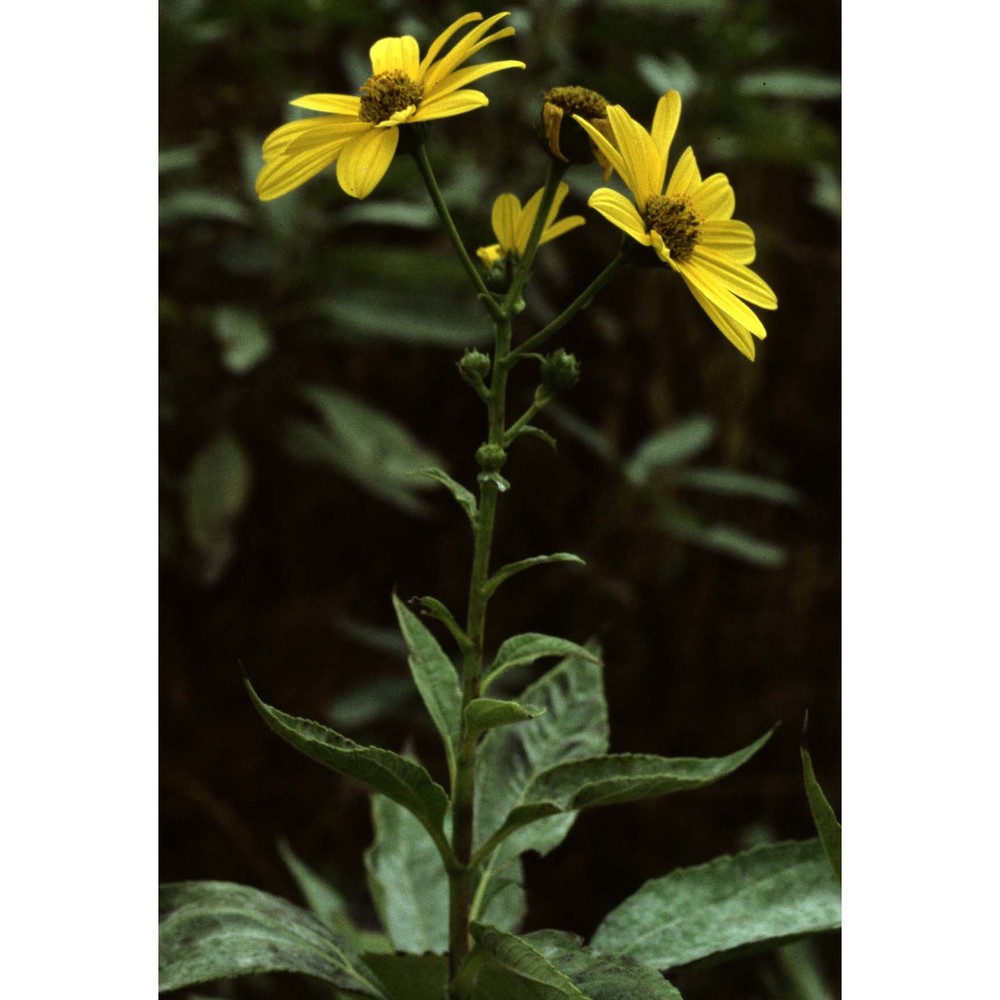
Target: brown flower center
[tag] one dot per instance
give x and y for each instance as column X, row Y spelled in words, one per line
column 676, row 222
column 386, row 93
column 577, row 101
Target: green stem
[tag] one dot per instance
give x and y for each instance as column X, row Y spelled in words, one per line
column 426, row 171
column 580, row 302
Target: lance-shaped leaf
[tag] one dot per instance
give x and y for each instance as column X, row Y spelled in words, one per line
column 506, row 572
column 435, row 677
column 520, row 650
column 218, row 930
column 482, row 714
column 761, row 898
column 598, row 976
column 465, row 498
column 823, row 815
column 404, row 781
column 511, row 969
column 615, row 778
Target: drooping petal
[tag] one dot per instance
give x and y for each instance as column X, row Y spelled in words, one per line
column 668, row 114
column 506, row 210
column 686, row 176
column 562, row 226
column 438, row 44
column 642, row 161
column 720, row 296
column 730, row 237
column 714, row 198
column 620, row 212
column 739, row 279
column 285, row 173
column 465, row 76
column 605, row 145
column 737, row 335
column 450, row 105
column 389, row 54
column 338, row 104
column 364, row 161
column 461, row 51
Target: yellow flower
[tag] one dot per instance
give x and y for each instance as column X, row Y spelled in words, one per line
column 689, row 224
column 512, row 224
column 360, row 133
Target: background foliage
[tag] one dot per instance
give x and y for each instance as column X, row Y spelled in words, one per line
column 301, row 337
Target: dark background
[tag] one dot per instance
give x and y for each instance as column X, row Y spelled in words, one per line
column 286, row 524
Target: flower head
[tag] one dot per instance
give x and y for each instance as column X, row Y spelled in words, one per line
column 561, row 101
column 361, row 132
column 689, row 223
column 512, row 224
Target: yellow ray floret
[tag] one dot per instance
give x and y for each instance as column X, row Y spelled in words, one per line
column 360, row 133
column 512, row 224
column 688, row 223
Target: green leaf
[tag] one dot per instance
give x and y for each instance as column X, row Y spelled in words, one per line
column 512, row 969
column 575, row 725
column 412, row 977
column 803, row 84
column 482, row 714
column 726, row 482
column 761, row 898
column 244, row 338
column 402, row 780
column 506, row 572
column 210, row 206
column 824, row 817
column 597, row 976
column 537, row 432
column 672, row 446
column 520, row 650
column 217, row 930
column 723, row 538
column 407, row 880
column 323, row 899
column 435, row 677
column 439, row 611
column 465, row 498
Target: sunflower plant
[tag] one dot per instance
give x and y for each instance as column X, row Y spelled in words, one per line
column 446, row 867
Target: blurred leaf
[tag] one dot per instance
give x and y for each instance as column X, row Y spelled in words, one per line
column 482, row 714
column 191, row 205
column 407, row 880
column 761, row 898
column 324, row 901
column 406, row 214
column 672, row 73
column 597, row 976
column 790, row 83
column 412, row 977
column 826, row 188
column 514, row 970
column 217, row 490
column 723, row 538
column 244, row 338
column 824, row 817
column 729, row 483
column 180, row 157
column 379, row 770
column 371, row 701
column 671, row 446
column 582, row 432
column 218, row 930
column 519, row 650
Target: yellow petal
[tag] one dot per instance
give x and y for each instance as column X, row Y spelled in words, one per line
column 557, row 229
column 737, row 335
column 489, row 255
column 720, row 296
column 620, row 212
column 558, row 198
column 333, row 134
column 686, row 176
column 714, row 198
column 461, row 51
column 642, row 161
column 730, row 237
column 606, row 147
column 668, row 114
column 740, row 280
column 338, row 104
column 465, row 76
column 286, row 173
column 276, row 143
column 441, row 39
column 526, row 220
column 506, row 210
column 365, row 159
column 389, row 54
column 451, row 105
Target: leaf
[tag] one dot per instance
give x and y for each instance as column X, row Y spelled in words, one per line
column 824, row 817
column 537, row 432
column 575, row 725
column 440, row 611
column 506, row 572
column 482, row 714
column 402, row 780
column 210, row 206
column 412, row 977
column 803, row 84
column 616, row 778
column 244, row 338
column 729, row 483
column 723, row 538
column 435, row 677
column 217, row 930
column 407, row 880
column 465, row 498
column 520, row 650
column 513, row 970
column 672, row 446
column 323, row 899
column 761, row 898
column 597, row 976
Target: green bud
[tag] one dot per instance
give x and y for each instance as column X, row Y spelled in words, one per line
column 475, row 364
column 560, row 371
column 491, row 457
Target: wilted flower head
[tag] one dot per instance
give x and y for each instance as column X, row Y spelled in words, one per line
column 361, row 132
column 572, row 146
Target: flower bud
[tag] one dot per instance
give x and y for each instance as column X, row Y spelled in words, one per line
column 560, row 371
column 573, row 145
column 475, row 364
column 490, row 457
